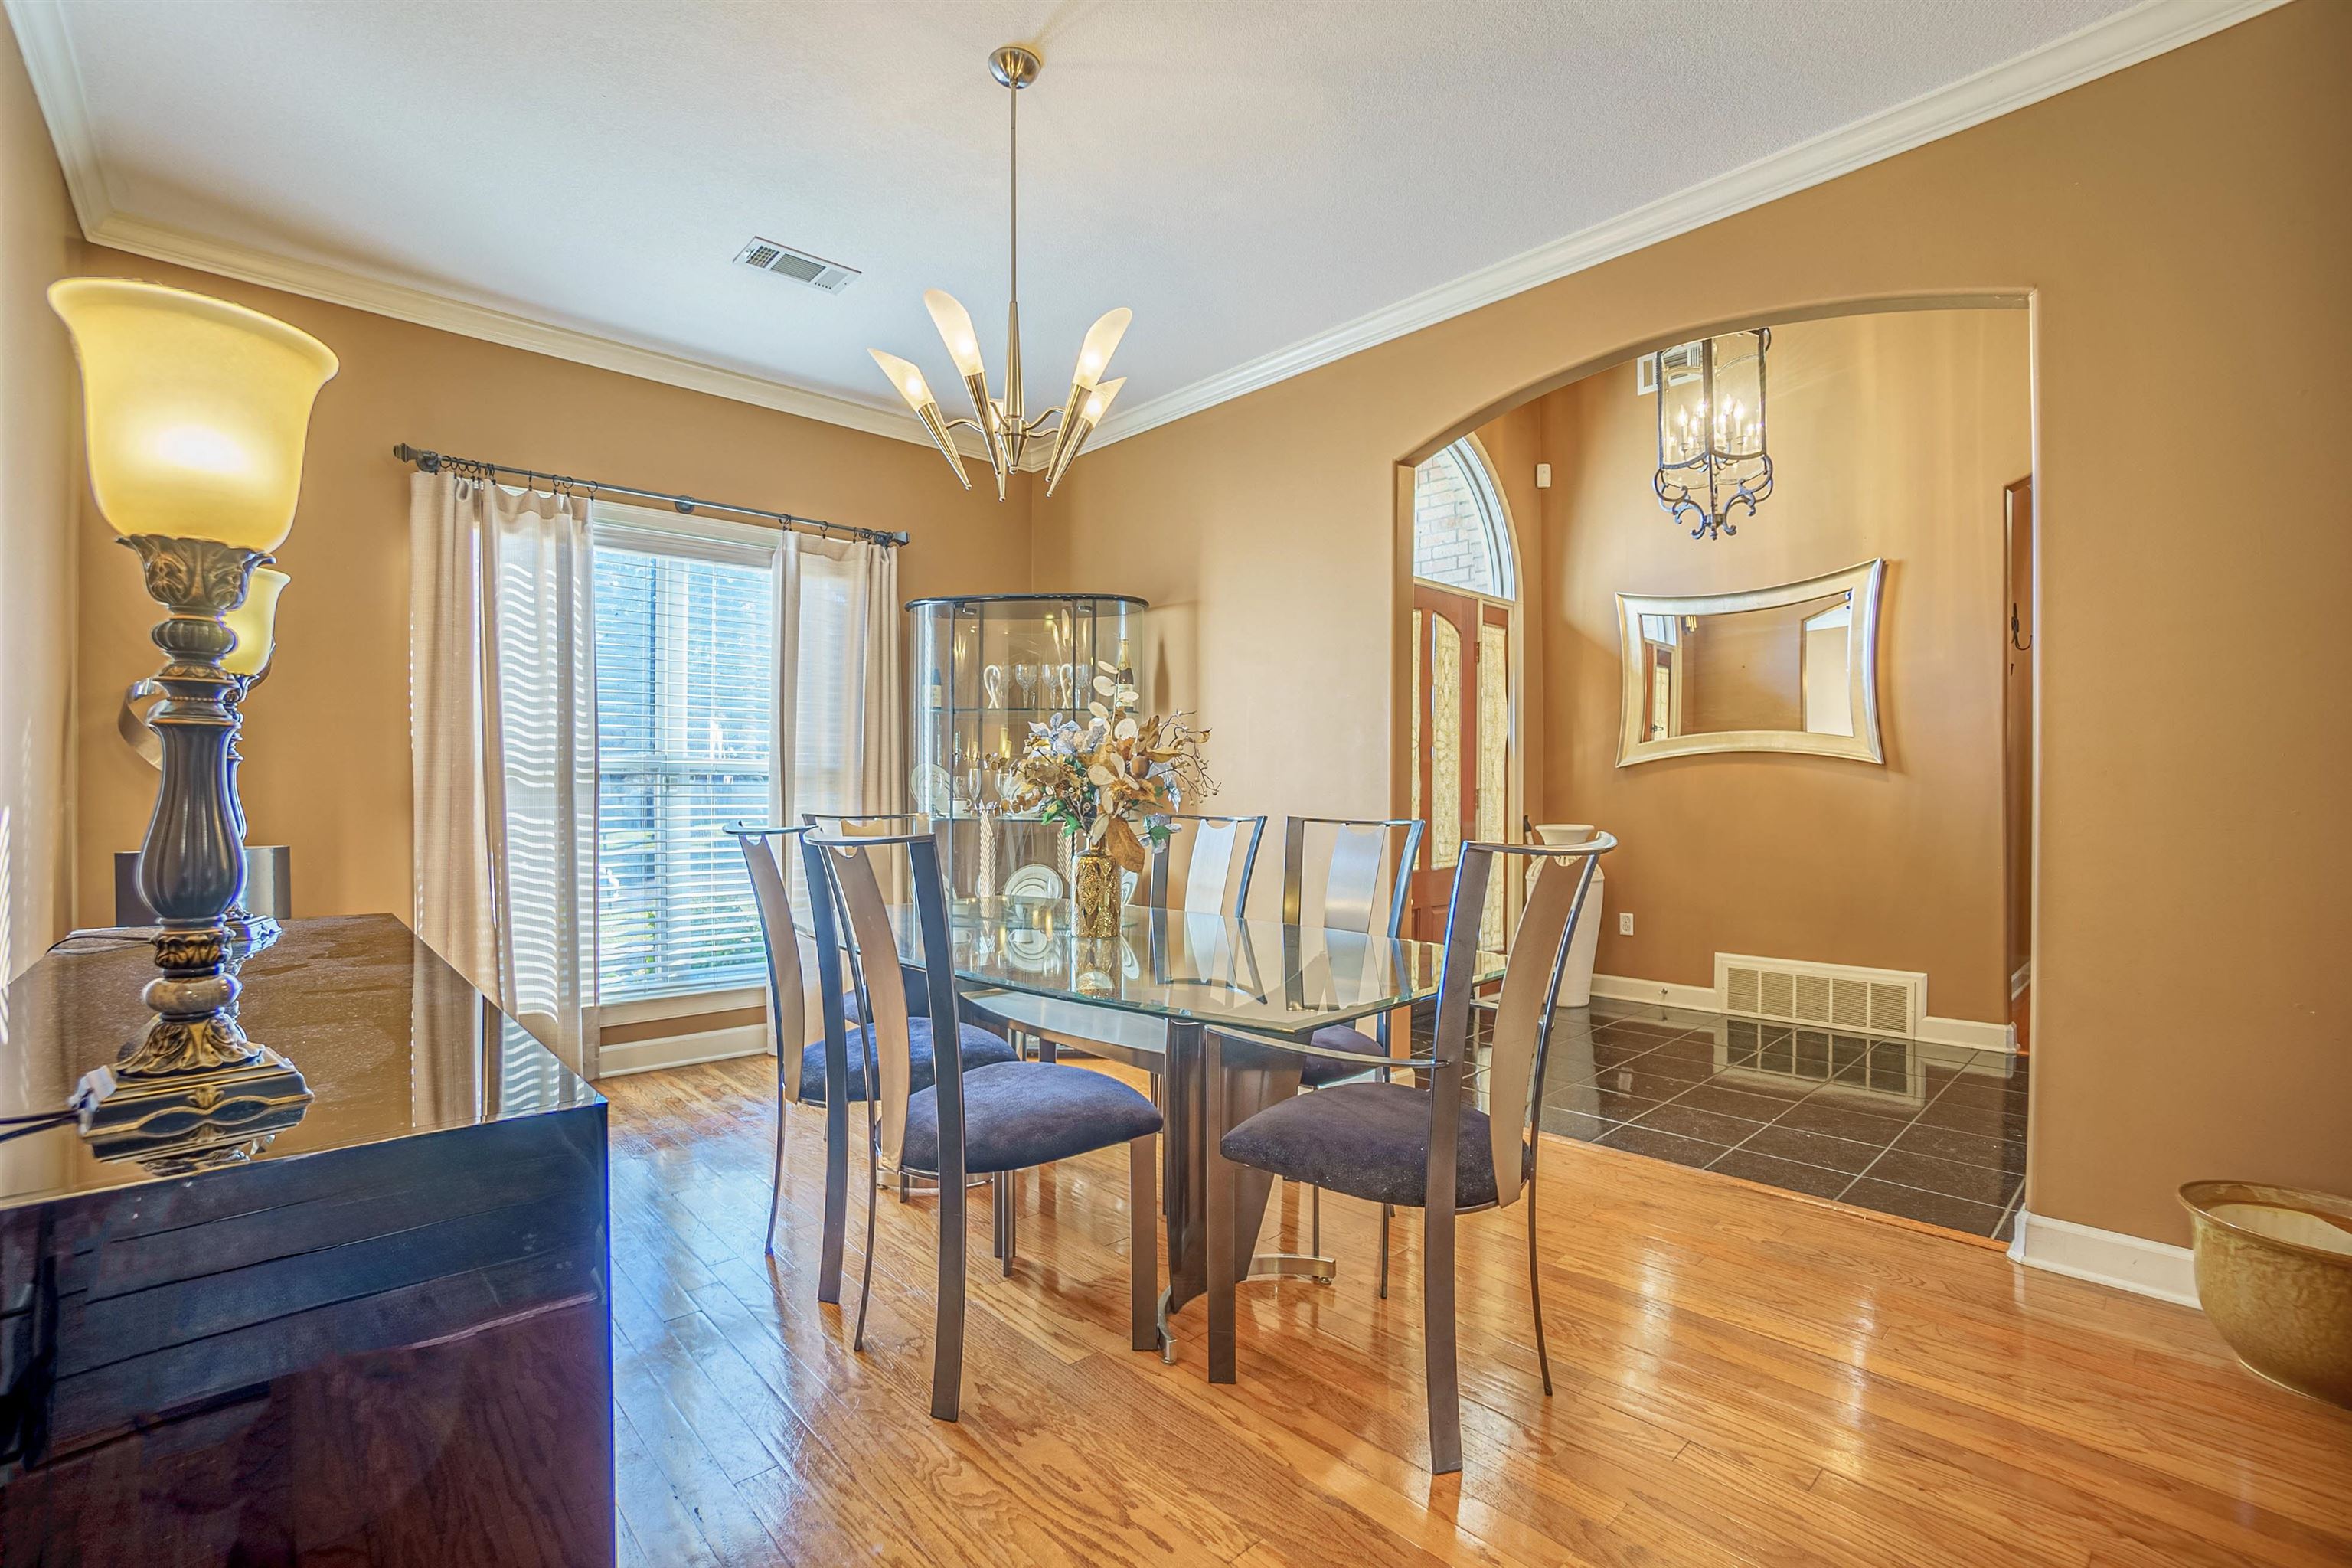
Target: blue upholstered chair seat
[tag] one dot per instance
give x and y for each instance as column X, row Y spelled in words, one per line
column 914, row 984
column 1320, row 1072
column 1018, row 1114
column 981, row 1049
column 1369, row 1141
column 1314, row 1072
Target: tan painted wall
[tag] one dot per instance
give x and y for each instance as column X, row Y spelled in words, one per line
column 327, row 736
column 2175, row 224
column 1892, row 437
column 38, row 238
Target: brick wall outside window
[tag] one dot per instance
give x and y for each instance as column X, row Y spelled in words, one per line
column 1449, row 531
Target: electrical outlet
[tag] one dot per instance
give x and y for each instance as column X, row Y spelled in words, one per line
column 1625, row 922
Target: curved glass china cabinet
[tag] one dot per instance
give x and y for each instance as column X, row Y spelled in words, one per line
column 984, row 669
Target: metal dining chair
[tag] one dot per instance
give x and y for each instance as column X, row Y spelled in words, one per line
column 801, row 1074
column 993, row 1120
column 1203, row 869
column 1411, row 1146
column 1357, row 884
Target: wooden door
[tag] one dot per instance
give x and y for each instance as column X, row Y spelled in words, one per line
column 1461, row 736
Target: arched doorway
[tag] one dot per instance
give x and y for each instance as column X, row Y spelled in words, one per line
column 1465, row 603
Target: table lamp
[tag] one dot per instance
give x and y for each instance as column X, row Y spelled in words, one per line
column 194, row 412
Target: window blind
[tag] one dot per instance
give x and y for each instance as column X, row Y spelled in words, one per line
column 685, row 720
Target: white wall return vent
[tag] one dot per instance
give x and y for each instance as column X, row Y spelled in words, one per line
column 772, row 256
column 1880, row 1002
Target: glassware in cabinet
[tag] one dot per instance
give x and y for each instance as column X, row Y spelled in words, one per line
column 984, row 669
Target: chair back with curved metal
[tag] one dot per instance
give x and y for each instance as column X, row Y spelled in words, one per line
column 855, row 887
column 913, row 987
column 787, row 993
column 1519, row 1039
column 1357, row 885
column 1205, row 866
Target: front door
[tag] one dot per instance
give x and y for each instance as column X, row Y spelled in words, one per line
column 1461, row 747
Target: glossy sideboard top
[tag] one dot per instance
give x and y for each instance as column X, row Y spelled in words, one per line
column 393, row 1042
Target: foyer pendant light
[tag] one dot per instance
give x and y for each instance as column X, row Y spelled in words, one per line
column 1711, row 451
column 1003, row 423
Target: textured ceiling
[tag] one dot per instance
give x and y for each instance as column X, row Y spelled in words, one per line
column 1245, row 175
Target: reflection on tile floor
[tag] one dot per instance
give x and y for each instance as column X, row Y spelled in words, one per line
column 1934, row 1133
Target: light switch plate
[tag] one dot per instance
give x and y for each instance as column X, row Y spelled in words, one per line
column 1543, row 476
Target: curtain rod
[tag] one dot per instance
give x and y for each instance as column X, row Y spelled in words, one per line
column 432, row 463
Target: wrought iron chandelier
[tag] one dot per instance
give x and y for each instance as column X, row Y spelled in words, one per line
column 1002, row 421
column 1711, row 451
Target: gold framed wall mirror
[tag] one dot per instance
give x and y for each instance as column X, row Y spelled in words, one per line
column 1790, row 669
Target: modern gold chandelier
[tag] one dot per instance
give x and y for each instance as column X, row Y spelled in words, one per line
column 1002, row 421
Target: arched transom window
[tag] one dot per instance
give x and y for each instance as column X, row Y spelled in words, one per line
column 1459, row 536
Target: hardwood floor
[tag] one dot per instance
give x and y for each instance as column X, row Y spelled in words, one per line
column 1745, row 1378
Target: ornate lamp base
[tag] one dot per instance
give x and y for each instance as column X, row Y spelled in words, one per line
column 192, row 1092
column 192, row 868
column 189, row 1121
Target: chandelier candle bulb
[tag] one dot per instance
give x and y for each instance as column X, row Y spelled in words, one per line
column 1101, row 343
column 1074, row 430
column 954, row 323
column 911, row 387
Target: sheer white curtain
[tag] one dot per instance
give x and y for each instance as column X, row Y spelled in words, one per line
column 839, row 747
column 839, row 697
column 503, row 736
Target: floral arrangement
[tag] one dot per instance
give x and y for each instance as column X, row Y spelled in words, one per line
column 1113, row 778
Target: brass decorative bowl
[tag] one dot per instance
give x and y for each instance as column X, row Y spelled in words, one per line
column 2275, row 1276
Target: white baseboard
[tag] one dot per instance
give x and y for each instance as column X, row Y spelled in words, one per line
column 683, row 1050
column 1623, row 988
column 1970, row 1032
column 2020, row 980
column 2106, row 1258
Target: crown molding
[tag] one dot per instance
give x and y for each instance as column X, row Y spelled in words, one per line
column 477, row 319
column 2106, row 45
column 47, row 49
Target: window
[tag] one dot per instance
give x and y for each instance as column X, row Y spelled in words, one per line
column 686, row 682
column 1459, row 536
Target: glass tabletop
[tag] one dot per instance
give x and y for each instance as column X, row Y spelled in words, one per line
column 1210, row 969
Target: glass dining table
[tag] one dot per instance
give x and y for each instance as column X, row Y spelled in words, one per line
column 1188, row 974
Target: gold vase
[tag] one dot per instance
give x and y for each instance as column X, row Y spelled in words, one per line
column 1094, row 894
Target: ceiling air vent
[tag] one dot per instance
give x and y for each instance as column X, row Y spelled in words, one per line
column 797, row 265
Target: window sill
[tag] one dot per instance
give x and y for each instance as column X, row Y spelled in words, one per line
column 683, row 1004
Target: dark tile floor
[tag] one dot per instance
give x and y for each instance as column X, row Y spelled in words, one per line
column 1934, row 1133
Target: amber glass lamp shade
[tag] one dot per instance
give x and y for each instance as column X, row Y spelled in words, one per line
column 195, row 410
column 254, row 622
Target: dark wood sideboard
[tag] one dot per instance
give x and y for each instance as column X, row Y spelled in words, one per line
column 385, row 1337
